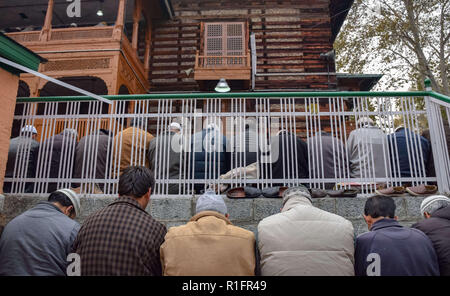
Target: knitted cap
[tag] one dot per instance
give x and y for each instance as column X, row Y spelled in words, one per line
column 73, row 198
column 210, row 201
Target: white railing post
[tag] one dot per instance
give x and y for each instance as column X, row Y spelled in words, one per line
column 438, row 142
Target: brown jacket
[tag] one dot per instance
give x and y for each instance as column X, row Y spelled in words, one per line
column 137, row 144
column 208, row 245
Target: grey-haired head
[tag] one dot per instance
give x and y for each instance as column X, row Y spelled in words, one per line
column 296, row 193
column 70, row 132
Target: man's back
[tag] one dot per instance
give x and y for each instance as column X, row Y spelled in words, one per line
column 305, row 240
column 437, row 228
column 94, row 147
column 57, row 156
column 22, row 157
column 327, row 156
column 368, row 153
column 37, row 242
column 208, row 245
column 402, row 251
column 22, row 146
column 408, row 150
column 133, row 143
column 290, row 160
column 210, row 156
column 121, row 239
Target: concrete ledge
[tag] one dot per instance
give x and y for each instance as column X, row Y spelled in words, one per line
column 246, row 213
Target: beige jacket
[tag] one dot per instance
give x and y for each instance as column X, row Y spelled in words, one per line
column 137, row 144
column 304, row 240
column 208, row 245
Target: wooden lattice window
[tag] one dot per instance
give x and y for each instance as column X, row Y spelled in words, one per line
column 225, row 39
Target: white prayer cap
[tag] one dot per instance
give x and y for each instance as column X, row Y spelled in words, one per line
column 29, row 129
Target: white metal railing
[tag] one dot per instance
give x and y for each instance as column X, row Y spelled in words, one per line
column 232, row 140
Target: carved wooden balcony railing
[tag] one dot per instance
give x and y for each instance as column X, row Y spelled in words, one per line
column 228, row 67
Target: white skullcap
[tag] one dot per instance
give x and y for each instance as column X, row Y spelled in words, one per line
column 73, row 198
column 175, row 125
column 29, row 129
column 365, row 120
column 430, row 200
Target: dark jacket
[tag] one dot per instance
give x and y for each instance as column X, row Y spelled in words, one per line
column 327, row 157
column 93, row 149
column 437, row 228
column 165, row 159
column 57, row 157
column 403, row 251
column 37, row 242
column 25, row 150
column 209, row 148
column 289, row 161
column 245, row 148
column 430, row 165
column 403, row 145
column 122, row 239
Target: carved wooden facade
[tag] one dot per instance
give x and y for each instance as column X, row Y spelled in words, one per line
column 290, row 36
column 105, row 52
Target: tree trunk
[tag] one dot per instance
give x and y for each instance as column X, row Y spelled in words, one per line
column 423, row 64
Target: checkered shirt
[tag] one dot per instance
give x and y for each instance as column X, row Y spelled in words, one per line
column 122, row 239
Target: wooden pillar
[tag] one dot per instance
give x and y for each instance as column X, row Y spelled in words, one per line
column 46, row 29
column 118, row 27
column 148, row 38
column 10, row 84
column 136, row 18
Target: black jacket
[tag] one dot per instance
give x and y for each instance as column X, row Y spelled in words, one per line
column 26, row 150
column 95, row 145
column 289, row 161
column 402, row 251
column 59, row 151
column 437, row 228
column 430, row 165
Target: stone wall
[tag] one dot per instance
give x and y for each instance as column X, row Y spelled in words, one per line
column 244, row 212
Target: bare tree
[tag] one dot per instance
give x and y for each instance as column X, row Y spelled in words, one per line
column 407, row 39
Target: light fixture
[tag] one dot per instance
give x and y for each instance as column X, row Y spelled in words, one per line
column 222, row 86
column 100, row 9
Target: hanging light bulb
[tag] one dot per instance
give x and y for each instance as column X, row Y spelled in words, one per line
column 100, row 10
column 222, row 86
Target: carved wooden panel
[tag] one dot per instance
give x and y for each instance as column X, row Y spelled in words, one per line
column 25, row 36
column 60, row 34
column 79, row 64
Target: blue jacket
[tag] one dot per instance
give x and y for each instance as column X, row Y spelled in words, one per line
column 401, row 141
column 209, row 147
column 37, row 242
column 402, row 251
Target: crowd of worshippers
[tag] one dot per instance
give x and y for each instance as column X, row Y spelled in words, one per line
column 123, row 239
column 368, row 153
